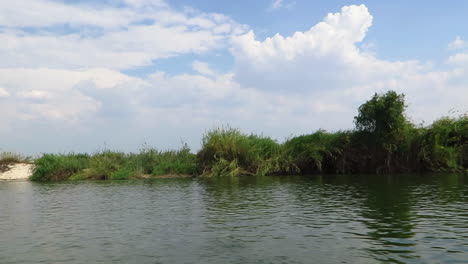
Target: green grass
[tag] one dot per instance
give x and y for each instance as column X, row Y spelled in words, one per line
column 158, row 163
column 114, row 165
column 444, row 144
column 229, row 152
column 58, row 167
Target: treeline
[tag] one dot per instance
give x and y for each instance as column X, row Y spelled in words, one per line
column 384, row 141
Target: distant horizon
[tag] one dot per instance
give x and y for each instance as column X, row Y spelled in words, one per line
column 79, row 74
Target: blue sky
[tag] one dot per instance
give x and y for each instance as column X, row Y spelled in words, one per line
column 401, row 29
column 81, row 75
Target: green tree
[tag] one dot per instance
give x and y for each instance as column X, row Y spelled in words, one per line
column 382, row 119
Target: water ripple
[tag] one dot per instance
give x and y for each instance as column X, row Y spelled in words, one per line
column 333, row 219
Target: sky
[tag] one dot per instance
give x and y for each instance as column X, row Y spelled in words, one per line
column 87, row 75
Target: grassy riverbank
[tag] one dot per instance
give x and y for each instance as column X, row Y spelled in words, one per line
column 110, row 165
column 383, row 141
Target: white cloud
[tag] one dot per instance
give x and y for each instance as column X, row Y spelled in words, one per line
column 123, row 50
column 277, row 4
column 202, row 68
column 458, row 43
column 45, row 13
column 83, row 36
column 35, row 94
column 459, row 59
column 326, row 66
column 68, row 89
column 311, row 57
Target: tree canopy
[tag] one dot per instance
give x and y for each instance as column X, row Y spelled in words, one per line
column 383, row 117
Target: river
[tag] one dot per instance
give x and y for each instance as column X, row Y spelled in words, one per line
column 289, row 219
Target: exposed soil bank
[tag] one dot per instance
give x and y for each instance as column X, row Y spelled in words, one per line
column 18, row 171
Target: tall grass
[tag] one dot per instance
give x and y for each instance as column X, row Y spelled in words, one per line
column 444, row 145
column 440, row 147
column 170, row 162
column 114, row 165
column 229, row 152
column 319, row 152
column 57, row 167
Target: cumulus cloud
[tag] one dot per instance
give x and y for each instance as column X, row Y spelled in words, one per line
column 314, row 56
column 326, row 65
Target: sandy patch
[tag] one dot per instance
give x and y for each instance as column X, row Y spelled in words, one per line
column 20, row 171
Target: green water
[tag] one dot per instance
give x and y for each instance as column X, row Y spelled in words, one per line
column 329, row 219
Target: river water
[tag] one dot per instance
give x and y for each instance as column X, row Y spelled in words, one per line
column 316, row 219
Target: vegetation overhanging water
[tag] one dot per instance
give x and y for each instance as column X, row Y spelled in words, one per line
column 383, row 141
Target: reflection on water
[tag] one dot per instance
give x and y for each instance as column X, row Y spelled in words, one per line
column 317, row 219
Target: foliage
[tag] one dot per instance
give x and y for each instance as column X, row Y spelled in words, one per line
column 57, row 167
column 445, row 144
column 384, row 129
column 318, row 152
column 227, row 151
column 104, row 165
column 179, row 162
column 383, row 117
column 112, row 165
